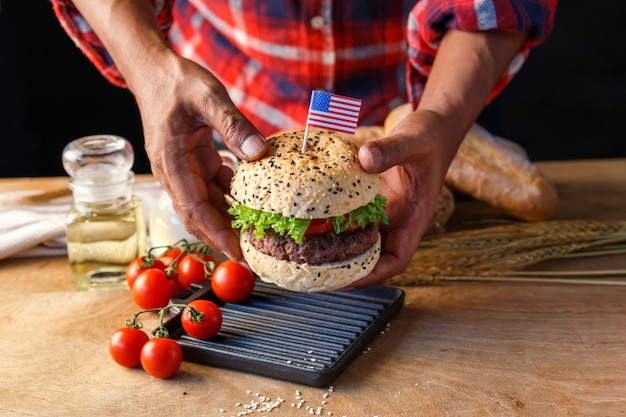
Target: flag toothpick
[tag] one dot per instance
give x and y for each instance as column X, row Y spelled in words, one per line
column 304, row 139
column 332, row 111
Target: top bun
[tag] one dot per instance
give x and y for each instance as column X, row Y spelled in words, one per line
column 324, row 181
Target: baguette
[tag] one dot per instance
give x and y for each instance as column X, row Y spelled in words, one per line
column 489, row 169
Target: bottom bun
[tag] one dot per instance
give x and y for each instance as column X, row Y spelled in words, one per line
column 305, row 277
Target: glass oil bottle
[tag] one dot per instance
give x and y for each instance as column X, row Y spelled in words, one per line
column 105, row 228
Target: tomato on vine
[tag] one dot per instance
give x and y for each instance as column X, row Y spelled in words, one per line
column 137, row 265
column 161, row 357
column 170, row 256
column 204, row 325
column 232, row 282
column 170, row 260
column 194, row 268
column 125, row 346
column 153, row 289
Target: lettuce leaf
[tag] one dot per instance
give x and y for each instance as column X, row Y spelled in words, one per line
column 259, row 221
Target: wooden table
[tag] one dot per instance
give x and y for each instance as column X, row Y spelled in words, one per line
column 457, row 349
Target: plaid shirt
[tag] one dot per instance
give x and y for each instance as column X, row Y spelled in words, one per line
column 271, row 54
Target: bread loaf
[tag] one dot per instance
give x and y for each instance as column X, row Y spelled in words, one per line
column 365, row 134
column 488, row 169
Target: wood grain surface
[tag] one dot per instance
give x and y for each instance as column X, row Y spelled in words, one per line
column 460, row 349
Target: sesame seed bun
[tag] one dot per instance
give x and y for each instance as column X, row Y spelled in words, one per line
column 305, row 277
column 323, row 182
column 326, row 181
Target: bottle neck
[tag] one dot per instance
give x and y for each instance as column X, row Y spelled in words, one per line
column 100, row 195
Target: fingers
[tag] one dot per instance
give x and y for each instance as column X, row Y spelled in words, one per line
column 423, row 137
column 413, row 139
column 247, row 147
column 413, row 161
column 388, row 266
column 197, row 98
column 239, row 134
column 241, row 137
column 399, row 242
column 178, row 116
column 192, row 173
column 206, row 221
column 378, row 156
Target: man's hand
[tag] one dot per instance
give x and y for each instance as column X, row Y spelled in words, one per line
column 413, row 162
column 179, row 110
column 180, row 104
column 416, row 155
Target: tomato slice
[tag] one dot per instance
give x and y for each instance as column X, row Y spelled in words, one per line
column 319, row 226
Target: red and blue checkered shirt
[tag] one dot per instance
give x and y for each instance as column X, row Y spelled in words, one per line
column 271, row 54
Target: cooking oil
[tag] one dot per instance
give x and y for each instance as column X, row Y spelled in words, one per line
column 105, row 228
column 102, row 242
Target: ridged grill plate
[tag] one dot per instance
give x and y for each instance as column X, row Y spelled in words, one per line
column 307, row 338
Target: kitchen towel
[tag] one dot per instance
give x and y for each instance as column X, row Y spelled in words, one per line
column 32, row 227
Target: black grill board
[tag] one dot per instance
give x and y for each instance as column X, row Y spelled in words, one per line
column 306, row 338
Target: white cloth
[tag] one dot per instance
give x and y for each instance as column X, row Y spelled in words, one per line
column 39, row 229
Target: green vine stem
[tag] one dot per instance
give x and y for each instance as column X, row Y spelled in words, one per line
column 196, row 316
column 185, row 247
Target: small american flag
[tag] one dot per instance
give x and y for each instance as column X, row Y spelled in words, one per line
column 335, row 112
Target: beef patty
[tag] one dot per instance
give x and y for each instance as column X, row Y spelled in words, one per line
column 317, row 249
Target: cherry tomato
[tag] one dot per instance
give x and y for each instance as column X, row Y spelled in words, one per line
column 152, row 289
column 211, row 320
column 170, row 259
column 232, row 282
column 170, row 256
column 319, row 226
column 191, row 270
column 161, row 357
column 139, row 264
column 125, row 346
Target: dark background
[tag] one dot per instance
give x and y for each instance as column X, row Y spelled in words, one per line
column 567, row 102
column 50, row 94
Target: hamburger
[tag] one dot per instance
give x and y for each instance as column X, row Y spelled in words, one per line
column 308, row 220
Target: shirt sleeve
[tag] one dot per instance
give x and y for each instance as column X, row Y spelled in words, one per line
column 430, row 19
column 86, row 39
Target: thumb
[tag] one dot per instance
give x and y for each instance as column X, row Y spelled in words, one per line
column 380, row 155
column 241, row 136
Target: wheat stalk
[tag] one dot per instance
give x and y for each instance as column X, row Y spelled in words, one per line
column 501, row 252
column 552, row 280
